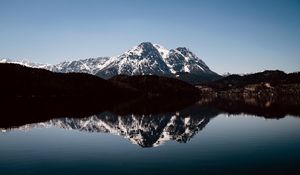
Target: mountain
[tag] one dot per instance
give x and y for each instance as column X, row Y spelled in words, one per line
column 183, row 60
column 27, row 63
column 90, row 65
column 154, row 59
column 143, row 59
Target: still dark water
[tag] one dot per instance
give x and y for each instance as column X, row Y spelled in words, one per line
column 188, row 142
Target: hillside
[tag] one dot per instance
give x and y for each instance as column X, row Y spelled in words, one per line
column 21, row 81
column 273, row 77
column 266, row 88
column 155, row 86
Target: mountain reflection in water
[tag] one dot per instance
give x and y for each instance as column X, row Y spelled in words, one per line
column 150, row 127
column 145, row 130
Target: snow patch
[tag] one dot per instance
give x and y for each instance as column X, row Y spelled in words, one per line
column 164, row 53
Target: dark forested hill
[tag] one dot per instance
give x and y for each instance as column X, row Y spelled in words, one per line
column 20, row 81
column 153, row 85
column 273, row 77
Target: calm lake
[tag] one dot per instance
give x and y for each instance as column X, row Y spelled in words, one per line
column 191, row 141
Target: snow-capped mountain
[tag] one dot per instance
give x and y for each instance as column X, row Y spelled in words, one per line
column 183, row 60
column 144, row 130
column 90, row 65
column 27, row 63
column 154, row 59
column 143, row 59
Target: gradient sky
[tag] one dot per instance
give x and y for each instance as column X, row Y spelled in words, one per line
column 236, row 36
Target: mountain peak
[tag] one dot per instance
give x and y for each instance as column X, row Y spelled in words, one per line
column 186, row 52
column 146, row 44
column 142, row 49
column 182, row 49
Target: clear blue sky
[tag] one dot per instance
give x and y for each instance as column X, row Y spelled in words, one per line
column 235, row 36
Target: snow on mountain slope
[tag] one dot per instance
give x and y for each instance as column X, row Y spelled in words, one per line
column 27, row 63
column 91, row 65
column 143, row 59
column 154, row 59
column 183, row 60
column 164, row 52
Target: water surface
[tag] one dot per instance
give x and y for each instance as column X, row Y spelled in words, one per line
column 189, row 141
